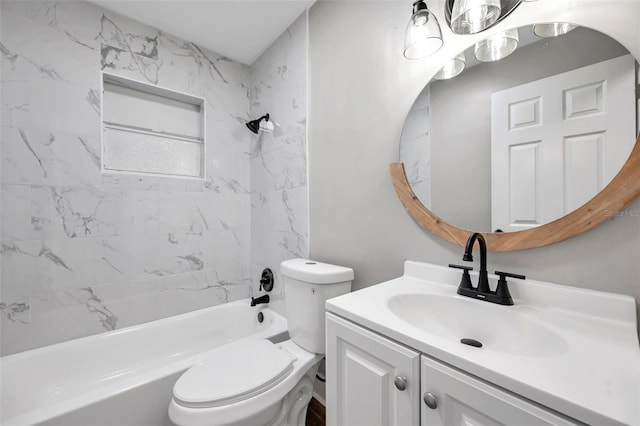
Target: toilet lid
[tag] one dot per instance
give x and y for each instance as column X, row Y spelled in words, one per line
column 232, row 373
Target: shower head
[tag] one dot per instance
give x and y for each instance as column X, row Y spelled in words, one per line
column 254, row 125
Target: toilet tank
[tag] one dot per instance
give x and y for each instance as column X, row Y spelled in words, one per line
column 307, row 285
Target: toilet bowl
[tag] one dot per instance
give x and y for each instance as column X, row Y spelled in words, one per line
column 276, row 386
column 257, row 382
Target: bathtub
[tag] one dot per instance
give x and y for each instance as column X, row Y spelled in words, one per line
column 123, row 377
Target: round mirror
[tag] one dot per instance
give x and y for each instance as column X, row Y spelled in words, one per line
column 516, row 143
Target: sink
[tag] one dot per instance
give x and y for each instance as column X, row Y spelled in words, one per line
column 505, row 329
column 570, row 349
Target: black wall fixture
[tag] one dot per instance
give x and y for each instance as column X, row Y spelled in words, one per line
column 254, row 125
column 266, row 280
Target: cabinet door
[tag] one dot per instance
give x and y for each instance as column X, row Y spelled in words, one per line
column 362, row 370
column 461, row 400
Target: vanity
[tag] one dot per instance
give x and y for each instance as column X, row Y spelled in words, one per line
column 559, row 356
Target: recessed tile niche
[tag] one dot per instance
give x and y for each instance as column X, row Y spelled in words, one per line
column 151, row 130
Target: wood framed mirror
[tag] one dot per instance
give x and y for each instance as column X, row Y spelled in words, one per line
column 616, row 196
column 617, row 182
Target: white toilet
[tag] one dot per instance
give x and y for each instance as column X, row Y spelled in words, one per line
column 256, row 382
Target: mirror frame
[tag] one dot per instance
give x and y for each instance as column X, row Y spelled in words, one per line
column 614, row 198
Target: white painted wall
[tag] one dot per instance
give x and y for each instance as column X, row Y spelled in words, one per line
column 361, row 89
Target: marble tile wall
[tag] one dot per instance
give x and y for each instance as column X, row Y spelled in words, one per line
column 279, row 194
column 84, row 252
column 415, row 146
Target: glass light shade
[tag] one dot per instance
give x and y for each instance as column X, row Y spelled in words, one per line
column 497, row 46
column 553, row 29
column 473, row 16
column 423, row 36
column 452, row 68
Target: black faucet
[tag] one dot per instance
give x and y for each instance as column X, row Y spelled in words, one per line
column 259, row 300
column 483, row 277
column 482, row 291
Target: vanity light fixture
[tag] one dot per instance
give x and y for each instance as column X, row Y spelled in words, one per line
column 473, row 16
column 497, row 46
column 553, row 29
column 423, row 36
column 452, row 68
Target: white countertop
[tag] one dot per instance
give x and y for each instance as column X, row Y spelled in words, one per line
column 595, row 378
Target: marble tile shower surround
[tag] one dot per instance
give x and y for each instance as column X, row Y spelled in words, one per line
column 415, row 144
column 84, row 252
column 279, row 192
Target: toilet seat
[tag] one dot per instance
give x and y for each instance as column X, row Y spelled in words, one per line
column 249, row 410
column 233, row 373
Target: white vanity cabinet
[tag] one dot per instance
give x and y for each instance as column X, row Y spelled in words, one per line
column 372, row 380
column 558, row 356
column 453, row 398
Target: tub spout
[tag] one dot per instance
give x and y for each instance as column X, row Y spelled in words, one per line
column 259, row 300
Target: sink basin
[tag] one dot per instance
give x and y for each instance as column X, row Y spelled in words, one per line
column 505, row 329
column 570, row 349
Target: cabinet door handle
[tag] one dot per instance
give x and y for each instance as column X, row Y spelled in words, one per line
column 400, row 382
column 431, row 400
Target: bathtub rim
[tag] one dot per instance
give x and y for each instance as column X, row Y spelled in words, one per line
column 276, row 331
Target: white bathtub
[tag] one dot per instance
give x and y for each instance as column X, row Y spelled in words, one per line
column 123, row 377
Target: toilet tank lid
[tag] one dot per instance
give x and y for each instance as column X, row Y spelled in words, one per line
column 315, row 272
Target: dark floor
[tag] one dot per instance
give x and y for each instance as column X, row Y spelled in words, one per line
column 316, row 414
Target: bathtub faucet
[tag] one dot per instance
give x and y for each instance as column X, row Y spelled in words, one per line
column 259, row 300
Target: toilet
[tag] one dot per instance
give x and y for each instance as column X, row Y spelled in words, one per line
column 255, row 382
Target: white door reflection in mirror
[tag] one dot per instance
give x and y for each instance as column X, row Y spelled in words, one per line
column 446, row 139
column 577, row 126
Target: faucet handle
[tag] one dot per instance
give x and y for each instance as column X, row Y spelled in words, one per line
column 465, row 282
column 464, row 268
column 266, row 280
column 502, row 290
column 503, row 275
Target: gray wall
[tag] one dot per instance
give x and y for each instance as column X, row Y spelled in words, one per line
column 461, row 117
column 355, row 217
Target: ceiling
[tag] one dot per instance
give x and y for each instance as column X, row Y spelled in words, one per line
column 238, row 29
